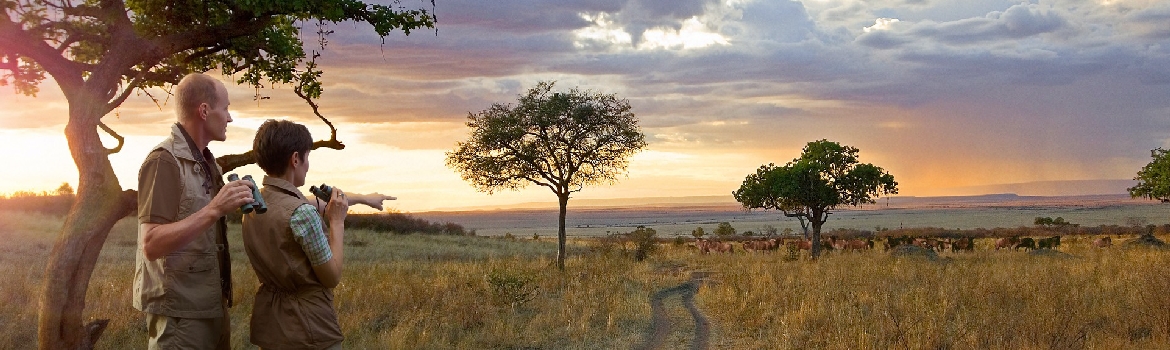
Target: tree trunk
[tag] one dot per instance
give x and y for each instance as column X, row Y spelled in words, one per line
column 816, row 222
column 564, row 201
column 100, row 204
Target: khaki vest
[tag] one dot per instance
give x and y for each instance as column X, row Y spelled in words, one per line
column 194, row 281
column 292, row 309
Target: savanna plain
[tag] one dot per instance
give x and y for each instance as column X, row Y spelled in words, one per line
column 411, row 291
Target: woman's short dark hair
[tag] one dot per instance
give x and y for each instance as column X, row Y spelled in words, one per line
column 276, row 141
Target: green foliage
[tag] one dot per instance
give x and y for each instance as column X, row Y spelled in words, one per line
column 724, row 230
column 563, row 141
column 698, row 232
column 1154, row 178
column 826, row 176
column 1042, row 221
column 511, row 288
column 644, row 242
column 768, row 230
column 1050, row 222
column 399, row 223
column 260, row 40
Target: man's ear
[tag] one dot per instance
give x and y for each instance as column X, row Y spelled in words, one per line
column 203, row 107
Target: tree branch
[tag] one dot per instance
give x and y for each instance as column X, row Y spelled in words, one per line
column 121, row 140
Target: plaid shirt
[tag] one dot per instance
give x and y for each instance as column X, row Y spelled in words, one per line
column 309, row 232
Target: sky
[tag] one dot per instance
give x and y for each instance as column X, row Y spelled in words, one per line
column 945, row 95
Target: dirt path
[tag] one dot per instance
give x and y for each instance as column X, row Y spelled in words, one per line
column 660, row 324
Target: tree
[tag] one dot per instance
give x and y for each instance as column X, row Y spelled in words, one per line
column 100, row 52
column 64, row 190
column 698, row 232
column 1154, row 178
column 825, row 177
column 724, row 230
column 562, row 141
column 644, row 242
column 1043, row 221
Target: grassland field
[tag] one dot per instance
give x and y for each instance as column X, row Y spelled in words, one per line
column 458, row 292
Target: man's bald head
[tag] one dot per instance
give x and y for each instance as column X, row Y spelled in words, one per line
column 195, row 89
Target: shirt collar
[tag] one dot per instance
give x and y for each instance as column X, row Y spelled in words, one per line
column 283, row 185
column 197, row 156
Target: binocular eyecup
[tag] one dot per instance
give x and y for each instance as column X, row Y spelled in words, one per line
column 257, row 203
column 324, row 192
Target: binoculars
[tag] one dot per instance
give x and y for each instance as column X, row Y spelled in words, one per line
column 324, row 192
column 257, row 201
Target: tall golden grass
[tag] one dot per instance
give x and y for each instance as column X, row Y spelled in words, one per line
column 451, row 292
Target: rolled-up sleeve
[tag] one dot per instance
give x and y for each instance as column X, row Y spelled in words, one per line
column 158, row 189
column 309, row 232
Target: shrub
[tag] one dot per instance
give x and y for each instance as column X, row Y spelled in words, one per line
column 399, row 223
column 644, row 243
column 725, row 230
column 698, row 232
column 510, row 288
column 52, row 203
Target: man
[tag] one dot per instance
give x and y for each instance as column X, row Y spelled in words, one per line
column 297, row 261
column 182, row 274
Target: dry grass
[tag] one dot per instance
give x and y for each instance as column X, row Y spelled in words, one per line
column 441, row 292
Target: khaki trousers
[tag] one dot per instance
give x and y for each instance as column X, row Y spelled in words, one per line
column 166, row 333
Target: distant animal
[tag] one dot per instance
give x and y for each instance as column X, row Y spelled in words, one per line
column 708, row 246
column 928, row 243
column 857, row 244
column 838, row 244
column 1048, row 243
column 802, row 244
column 963, row 244
column 1027, row 243
column 944, row 245
column 892, row 242
column 1007, row 242
column 761, row 245
column 1103, row 242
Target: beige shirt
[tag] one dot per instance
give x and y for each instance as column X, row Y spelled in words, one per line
column 174, row 182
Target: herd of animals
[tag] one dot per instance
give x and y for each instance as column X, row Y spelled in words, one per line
column 960, row 244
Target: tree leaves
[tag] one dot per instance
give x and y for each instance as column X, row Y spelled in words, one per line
column 1154, row 178
column 563, row 141
column 826, row 176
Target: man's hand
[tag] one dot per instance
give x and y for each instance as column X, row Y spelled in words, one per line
column 231, row 197
column 337, row 208
column 372, row 200
column 161, row 239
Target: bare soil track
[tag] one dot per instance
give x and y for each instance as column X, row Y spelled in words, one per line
column 660, row 324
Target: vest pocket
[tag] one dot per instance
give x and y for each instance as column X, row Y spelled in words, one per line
column 192, row 282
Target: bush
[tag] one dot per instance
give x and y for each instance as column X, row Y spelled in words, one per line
column 725, row 230
column 399, row 223
column 698, row 232
column 511, row 289
column 644, row 243
column 51, row 203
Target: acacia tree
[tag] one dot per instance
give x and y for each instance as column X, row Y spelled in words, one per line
column 825, row 177
column 1154, row 178
column 563, row 141
column 99, row 52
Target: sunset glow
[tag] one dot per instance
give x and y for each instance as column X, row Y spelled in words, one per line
column 954, row 98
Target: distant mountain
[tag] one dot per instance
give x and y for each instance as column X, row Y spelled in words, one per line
column 1010, row 194
column 1051, row 188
